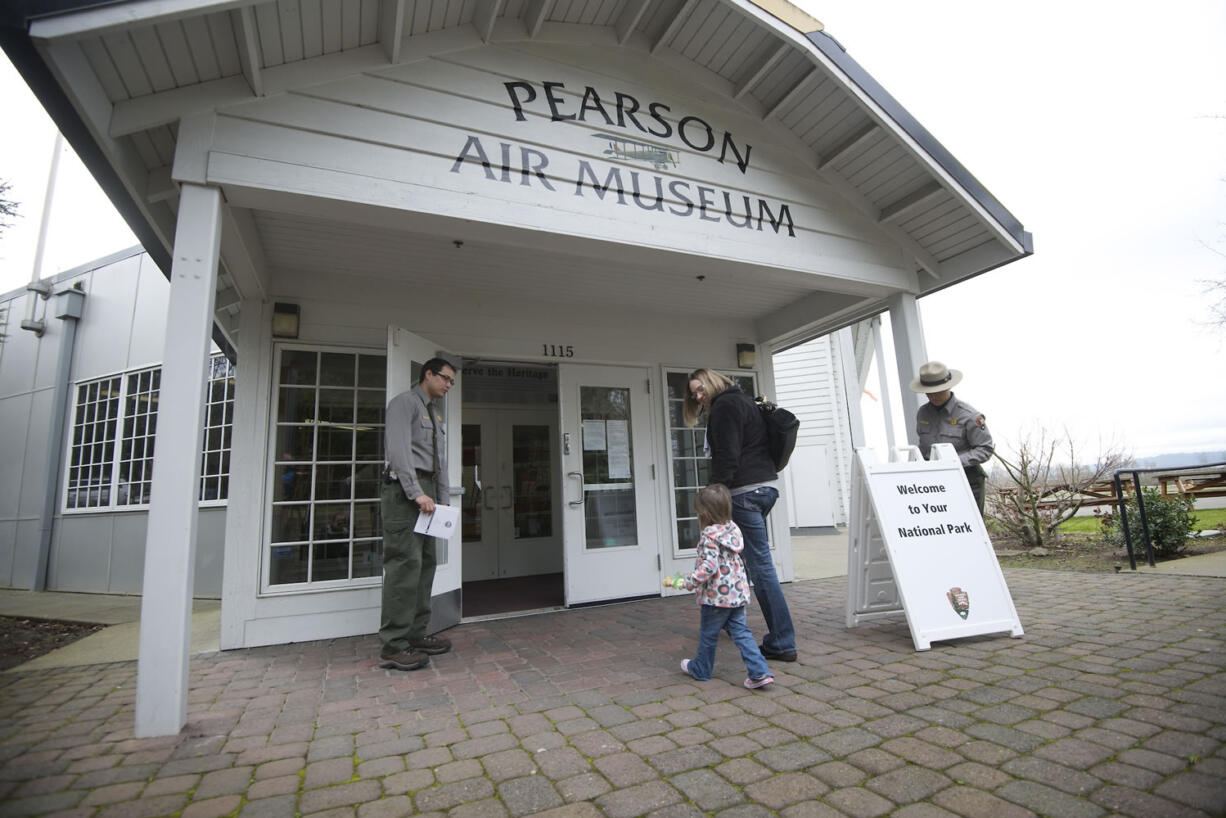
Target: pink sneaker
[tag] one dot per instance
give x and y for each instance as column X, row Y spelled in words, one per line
column 754, row 684
column 685, row 666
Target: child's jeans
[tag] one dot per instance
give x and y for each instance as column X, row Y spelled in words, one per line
column 732, row 620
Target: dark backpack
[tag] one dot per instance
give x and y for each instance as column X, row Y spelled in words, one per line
column 781, row 430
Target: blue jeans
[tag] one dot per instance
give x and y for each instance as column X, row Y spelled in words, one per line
column 732, row 620
column 749, row 512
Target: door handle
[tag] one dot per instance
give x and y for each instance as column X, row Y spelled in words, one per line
column 506, row 497
column 579, row 502
column 488, row 495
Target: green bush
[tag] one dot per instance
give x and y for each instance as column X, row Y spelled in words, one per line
column 1170, row 521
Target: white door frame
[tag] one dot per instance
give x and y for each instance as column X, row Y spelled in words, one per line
column 621, row 571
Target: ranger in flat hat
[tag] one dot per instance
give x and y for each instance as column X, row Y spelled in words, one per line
column 945, row 419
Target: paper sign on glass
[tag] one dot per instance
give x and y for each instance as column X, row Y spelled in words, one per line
column 443, row 523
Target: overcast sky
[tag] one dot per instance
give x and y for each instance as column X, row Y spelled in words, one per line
column 1100, row 125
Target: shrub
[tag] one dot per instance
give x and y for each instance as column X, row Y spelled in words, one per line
column 1170, row 521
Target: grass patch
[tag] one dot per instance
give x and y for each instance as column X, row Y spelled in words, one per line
column 1206, row 519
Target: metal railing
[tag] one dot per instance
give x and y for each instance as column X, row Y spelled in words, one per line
column 1136, row 482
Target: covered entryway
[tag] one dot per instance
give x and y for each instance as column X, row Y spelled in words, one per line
column 622, row 189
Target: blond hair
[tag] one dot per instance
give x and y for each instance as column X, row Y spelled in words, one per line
column 712, row 383
column 713, row 504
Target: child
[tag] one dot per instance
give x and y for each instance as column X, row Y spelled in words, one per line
column 722, row 589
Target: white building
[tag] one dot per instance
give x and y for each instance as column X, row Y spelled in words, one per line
column 578, row 202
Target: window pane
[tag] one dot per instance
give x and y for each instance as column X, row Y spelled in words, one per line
column 288, row 564
column 296, row 404
column 687, row 534
column 372, row 372
column 367, row 520
column 334, row 482
column 368, row 558
column 370, row 407
column 298, row 367
column 335, row 444
column 331, row 561
column 611, row 518
column 294, row 482
column 295, row 443
column 368, row 479
column 337, row 369
column 369, row 444
column 336, row 406
column 331, row 521
column 290, row 523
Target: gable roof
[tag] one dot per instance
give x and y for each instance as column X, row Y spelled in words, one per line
column 118, row 76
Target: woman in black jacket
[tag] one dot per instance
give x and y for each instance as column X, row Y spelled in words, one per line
column 740, row 459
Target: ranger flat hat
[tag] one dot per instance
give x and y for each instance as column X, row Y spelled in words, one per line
column 934, row 376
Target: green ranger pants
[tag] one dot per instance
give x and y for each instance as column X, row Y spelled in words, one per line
column 409, row 560
column 978, row 478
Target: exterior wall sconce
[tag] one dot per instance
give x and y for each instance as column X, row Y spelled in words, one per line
column 284, row 320
column 746, row 356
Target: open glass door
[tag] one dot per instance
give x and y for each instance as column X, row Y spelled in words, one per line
column 609, row 517
column 406, row 353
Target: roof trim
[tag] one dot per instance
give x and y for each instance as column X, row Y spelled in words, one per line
column 834, row 51
column 16, row 42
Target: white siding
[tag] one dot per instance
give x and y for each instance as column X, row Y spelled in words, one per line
column 807, row 382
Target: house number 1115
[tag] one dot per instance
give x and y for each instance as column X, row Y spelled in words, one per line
column 558, row 351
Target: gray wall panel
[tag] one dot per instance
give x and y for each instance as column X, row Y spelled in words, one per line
column 106, row 324
column 19, row 352
column 34, row 471
column 25, row 553
column 210, row 552
column 148, row 329
column 80, row 553
column 14, row 420
column 127, row 569
column 8, row 548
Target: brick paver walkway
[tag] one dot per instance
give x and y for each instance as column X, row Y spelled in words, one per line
column 1114, row 702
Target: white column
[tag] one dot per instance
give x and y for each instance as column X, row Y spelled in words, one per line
column 852, row 389
column 909, row 353
column 170, row 545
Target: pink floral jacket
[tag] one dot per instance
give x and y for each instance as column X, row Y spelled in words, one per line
column 719, row 577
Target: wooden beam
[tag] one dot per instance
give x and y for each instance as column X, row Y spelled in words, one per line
column 160, row 187
column 764, row 67
column 670, row 31
column 226, row 298
column 848, row 145
column 242, row 254
column 628, row 20
column 535, row 15
column 793, row 94
column 142, row 113
column 391, row 28
column 249, row 50
column 899, row 210
column 485, row 15
column 109, row 19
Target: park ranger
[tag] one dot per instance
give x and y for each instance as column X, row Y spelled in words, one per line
column 946, row 419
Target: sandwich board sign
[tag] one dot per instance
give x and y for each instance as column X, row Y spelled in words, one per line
column 918, row 545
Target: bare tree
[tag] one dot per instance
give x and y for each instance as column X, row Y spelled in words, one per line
column 1047, row 485
column 8, row 208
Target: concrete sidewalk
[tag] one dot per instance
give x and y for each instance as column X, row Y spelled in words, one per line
column 1114, row 702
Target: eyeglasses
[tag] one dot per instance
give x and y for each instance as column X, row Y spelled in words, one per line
column 450, row 380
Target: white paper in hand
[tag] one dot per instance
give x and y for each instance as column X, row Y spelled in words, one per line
column 443, row 523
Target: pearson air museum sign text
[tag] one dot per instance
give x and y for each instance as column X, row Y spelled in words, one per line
column 643, row 133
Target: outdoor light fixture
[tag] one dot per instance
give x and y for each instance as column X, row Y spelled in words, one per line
column 746, row 356
column 284, row 320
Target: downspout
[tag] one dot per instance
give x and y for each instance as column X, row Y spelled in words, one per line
column 68, row 306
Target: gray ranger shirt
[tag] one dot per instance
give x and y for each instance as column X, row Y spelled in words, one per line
column 411, row 440
column 958, row 423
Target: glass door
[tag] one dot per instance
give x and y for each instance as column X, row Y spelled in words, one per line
column 609, row 510
column 511, row 523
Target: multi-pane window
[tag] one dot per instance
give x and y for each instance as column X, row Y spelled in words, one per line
column 92, row 453
column 218, row 422
column 110, row 460
column 328, row 465
column 691, row 464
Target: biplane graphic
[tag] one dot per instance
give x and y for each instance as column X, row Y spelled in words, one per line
column 620, row 147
